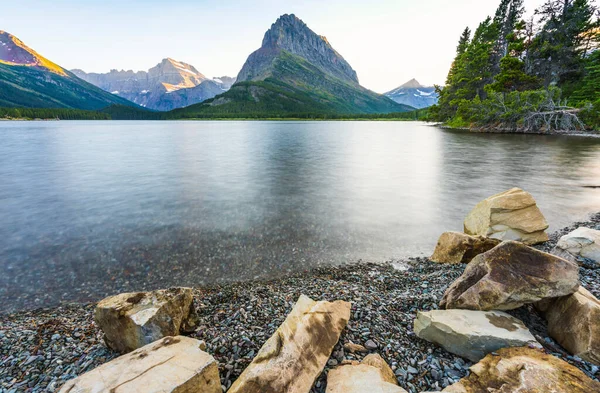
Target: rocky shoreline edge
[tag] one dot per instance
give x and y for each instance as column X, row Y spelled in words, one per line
column 40, row 350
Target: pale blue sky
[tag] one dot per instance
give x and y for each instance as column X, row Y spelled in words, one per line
column 386, row 41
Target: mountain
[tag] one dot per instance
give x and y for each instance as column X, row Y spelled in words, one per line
column 295, row 71
column 414, row 94
column 170, row 84
column 28, row 79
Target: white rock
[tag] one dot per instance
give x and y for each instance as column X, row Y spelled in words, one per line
column 582, row 242
column 472, row 334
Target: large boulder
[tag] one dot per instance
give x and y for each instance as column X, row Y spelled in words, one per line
column 581, row 243
column 510, row 215
column 291, row 359
column 574, row 322
column 372, row 375
column 472, row 334
column 132, row 320
column 524, row 370
column 509, row 276
column 173, row 364
column 456, row 247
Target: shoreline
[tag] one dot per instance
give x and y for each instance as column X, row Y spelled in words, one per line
column 592, row 134
column 41, row 349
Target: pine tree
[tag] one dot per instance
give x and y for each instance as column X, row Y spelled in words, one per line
column 589, row 91
column 558, row 51
column 512, row 75
column 507, row 16
column 445, row 110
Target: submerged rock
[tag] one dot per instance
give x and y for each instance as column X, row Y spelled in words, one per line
column 456, row 247
column 132, row 320
column 372, row 375
column 510, row 215
column 171, row 365
column 509, row 276
column 524, row 370
column 294, row 356
column 472, row 334
column 574, row 322
column 582, row 242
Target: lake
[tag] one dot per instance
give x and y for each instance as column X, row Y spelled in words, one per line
column 89, row 209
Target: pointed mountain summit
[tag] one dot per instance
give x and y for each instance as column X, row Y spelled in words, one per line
column 14, row 52
column 292, row 35
column 414, row 94
column 411, row 84
column 295, row 71
column 27, row 79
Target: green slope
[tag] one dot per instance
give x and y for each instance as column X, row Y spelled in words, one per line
column 30, row 87
column 293, row 86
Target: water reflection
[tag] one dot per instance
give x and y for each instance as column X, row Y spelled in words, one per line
column 92, row 208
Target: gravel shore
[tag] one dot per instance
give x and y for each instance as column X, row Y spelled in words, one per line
column 42, row 349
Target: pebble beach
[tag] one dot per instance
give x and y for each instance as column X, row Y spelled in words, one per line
column 41, row 349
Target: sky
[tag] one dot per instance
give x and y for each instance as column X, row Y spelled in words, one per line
column 387, row 42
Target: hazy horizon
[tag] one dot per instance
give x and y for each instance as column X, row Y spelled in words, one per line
column 387, row 42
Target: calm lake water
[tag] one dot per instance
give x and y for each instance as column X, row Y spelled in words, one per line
column 92, row 208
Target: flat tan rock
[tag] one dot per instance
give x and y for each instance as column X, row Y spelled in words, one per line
column 372, row 375
column 574, row 322
column 524, row 370
column 292, row 359
column 509, row 276
column 456, row 247
column 472, row 334
column 132, row 320
column 170, row 365
column 377, row 361
column 510, row 215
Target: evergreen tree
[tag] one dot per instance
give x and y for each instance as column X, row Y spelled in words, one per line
column 445, row 110
column 512, row 75
column 589, row 91
column 558, row 51
column 507, row 16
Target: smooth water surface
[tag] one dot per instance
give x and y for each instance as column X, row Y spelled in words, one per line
column 93, row 208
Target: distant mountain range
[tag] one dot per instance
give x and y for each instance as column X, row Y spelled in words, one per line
column 295, row 71
column 170, row 84
column 29, row 80
column 414, row 94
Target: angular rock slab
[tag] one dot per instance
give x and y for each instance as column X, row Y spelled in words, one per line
column 574, row 322
column 170, row 365
column 372, row 375
column 132, row 320
column 582, row 242
column 524, row 370
column 509, row 276
column 456, row 247
column 510, row 215
column 292, row 359
column 472, row 334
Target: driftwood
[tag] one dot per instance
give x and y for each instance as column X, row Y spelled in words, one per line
column 549, row 115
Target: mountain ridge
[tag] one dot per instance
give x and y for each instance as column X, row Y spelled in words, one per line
column 27, row 79
column 414, row 94
column 168, row 85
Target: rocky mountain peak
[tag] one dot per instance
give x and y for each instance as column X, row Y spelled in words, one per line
column 290, row 34
column 14, row 52
column 411, row 84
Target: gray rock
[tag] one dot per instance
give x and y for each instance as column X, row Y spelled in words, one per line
column 472, row 334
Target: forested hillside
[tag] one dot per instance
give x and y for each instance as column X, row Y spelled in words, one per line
column 534, row 75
